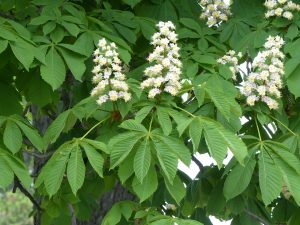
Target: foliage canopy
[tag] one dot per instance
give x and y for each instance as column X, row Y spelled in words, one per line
column 67, row 151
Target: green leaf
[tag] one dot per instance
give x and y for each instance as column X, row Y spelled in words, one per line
column 204, row 59
column 148, row 187
column 10, row 98
column 132, row 3
column 71, row 28
column 56, row 127
column 24, row 52
column 191, row 24
column 175, row 146
column 76, row 170
column 177, row 189
column 121, row 145
column 199, row 94
column 219, row 139
column 18, row 168
column 3, row 45
column 32, row 135
column 12, row 137
column 95, row 158
column 142, row 160
column 238, row 179
column 54, row 72
column 270, row 180
column 142, row 113
column 97, row 145
column 133, row 125
column 74, row 62
column 167, row 160
column 7, row 175
column 164, row 120
column 126, row 169
column 195, row 131
column 55, row 169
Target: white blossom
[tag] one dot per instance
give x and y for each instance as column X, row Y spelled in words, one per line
column 281, row 8
column 164, row 74
column 264, row 82
column 214, row 11
column 231, row 59
column 108, row 76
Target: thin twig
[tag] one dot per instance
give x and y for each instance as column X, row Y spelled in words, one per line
column 256, row 217
column 73, row 217
column 17, row 184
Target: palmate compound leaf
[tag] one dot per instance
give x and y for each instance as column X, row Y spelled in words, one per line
column 76, row 169
column 218, row 139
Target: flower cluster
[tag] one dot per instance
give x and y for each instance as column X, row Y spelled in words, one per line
column 215, row 11
column 281, row 8
column 264, row 83
column 108, row 76
column 231, row 58
column 164, row 74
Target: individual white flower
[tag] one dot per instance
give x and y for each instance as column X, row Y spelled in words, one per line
column 231, row 59
column 214, row 11
column 281, row 8
column 108, row 76
column 264, row 82
column 164, row 74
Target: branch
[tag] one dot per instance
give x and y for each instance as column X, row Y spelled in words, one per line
column 17, row 184
column 199, row 164
column 72, row 212
column 37, row 155
column 256, row 217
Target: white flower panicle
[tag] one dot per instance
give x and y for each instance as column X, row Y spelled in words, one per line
column 231, row 58
column 214, row 11
column 108, row 76
column 164, row 74
column 264, row 82
column 281, row 8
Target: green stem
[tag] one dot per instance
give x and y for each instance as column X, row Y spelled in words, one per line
column 187, row 112
column 285, row 126
column 258, row 131
column 92, row 128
